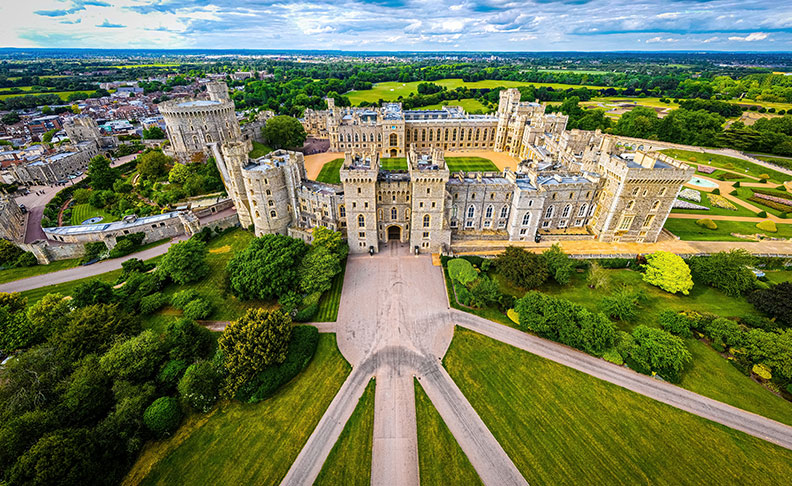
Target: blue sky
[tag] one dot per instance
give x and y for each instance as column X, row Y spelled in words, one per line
column 477, row 25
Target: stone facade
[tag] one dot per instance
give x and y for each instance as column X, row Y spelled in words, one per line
column 12, row 220
column 193, row 125
column 55, row 168
column 83, row 128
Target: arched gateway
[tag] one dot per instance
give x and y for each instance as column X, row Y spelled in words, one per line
column 394, row 233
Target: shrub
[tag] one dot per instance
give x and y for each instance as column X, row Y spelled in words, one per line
column 170, row 373
column 724, row 331
column 462, row 271
column 736, row 184
column 198, row 309
column 26, row 259
column 715, row 191
column 559, row 264
column 622, row 304
column 726, row 270
column 660, row 351
column 163, row 416
column 675, row 323
column 464, row 296
column 615, row 262
column 307, row 313
column 668, row 271
column 152, row 303
column 613, row 356
column 183, row 297
column 768, row 226
column 762, row 214
column 199, row 386
column 707, row 223
column 512, row 314
column 721, row 202
column 525, row 269
column 762, row 371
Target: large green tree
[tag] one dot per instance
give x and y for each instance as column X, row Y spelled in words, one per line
column 640, row 122
column 284, row 132
column 775, row 302
column 267, row 268
column 185, row 262
column 317, row 269
column 102, row 175
column 257, row 340
column 92, row 330
column 727, row 271
column 668, row 271
column 658, row 350
column 526, row 269
column 153, row 164
column 136, row 359
column 559, row 264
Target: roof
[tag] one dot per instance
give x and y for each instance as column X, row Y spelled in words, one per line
column 108, row 227
column 188, row 104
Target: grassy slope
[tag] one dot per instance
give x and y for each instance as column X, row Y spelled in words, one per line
column 249, row 443
column 560, row 426
column 737, row 165
column 440, row 459
column 330, row 172
column 349, row 463
column 687, row 229
column 81, row 212
column 330, row 301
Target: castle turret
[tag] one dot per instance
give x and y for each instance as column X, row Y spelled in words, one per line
column 218, row 91
column 359, row 176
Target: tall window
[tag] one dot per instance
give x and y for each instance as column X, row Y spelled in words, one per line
column 488, row 214
column 394, row 139
column 361, row 221
column 625, row 223
column 426, row 221
column 342, row 211
column 471, row 211
column 566, row 210
column 582, row 210
column 549, row 212
column 655, row 205
column 394, row 214
column 662, row 192
column 504, row 211
column 527, row 219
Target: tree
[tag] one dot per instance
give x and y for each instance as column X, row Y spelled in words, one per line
column 776, row 302
column 199, row 386
column 462, row 271
column 153, row 133
column 62, row 457
column 185, row 262
column 136, row 359
column 9, row 252
column 198, row 309
column 187, row 341
column 640, row 122
column 153, row 164
column 89, row 393
column 622, row 304
column 163, row 416
column 727, row 271
column 50, row 315
column 668, row 271
column 317, row 269
column 559, row 264
column 101, row 174
column 47, row 137
column 676, row 323
column 93, row 292
column 284, row 131
column 10, row 118
column 92, row 330
column 332, row 240
column 258, row 339
column 597, row 276
column 267, row 268
column 724, row 331
column 657, row 350
column 528, row 270
column 179, row 174
column 19, row 433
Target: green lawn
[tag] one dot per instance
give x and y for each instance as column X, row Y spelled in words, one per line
column 12, row 274
column 64, row 95
column 782, row 161
column 330, row 301
column 745, row 193
column 81, row 212
column 470, row 164
column 67, row 288
column 247, row 443
column 393, row 163
column 440, row 459
column 330, row 173
column 560, row 426
column 725, row 162
column 259, row 150
column 687, row 229
column 349, row 463
column 470, row 105
column 714, row 211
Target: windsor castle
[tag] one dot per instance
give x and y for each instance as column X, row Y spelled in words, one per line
column 569, row 184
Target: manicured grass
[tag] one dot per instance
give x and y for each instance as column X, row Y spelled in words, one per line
column 612, row 101
column 81, row 212
column 331, row 172
column 440, row 459
column 783, row 162
column 259, row 150
column 470, row 164
column 687, row 229
column 63, row 94
column 12, row 274
column 470, row 105
column 560, row 426
column 714, row 211
column 745, row 193
column 349, row 462
column 725, row 162
column 248, row 443
column 328, row 304
column 393, row 163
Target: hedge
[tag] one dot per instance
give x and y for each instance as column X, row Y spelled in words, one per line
column 163, row 416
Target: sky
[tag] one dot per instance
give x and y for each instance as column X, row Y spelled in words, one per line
column 401, row 25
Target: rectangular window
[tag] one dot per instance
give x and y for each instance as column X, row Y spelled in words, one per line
column 426, row 234
column 649, row 221
column 545, row 224
column 523, row 232
column 625, row 223
column 487, row 224
column 362, row 234
column 578, row 222
column 562, row 224
column 468, row 224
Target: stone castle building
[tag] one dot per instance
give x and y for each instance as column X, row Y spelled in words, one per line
column 12, row 220
column 194, row 124
column 569, row 185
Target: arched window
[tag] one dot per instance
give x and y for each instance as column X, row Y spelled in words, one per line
column 208, row 138
column 566, row 210
column 582, row 211
column 471, row 212
column 342, row 211
column 426, row 220
column 361, row 221
column 549, row 212
column 446, row 134
column 636, row 190
column 488, row 214
column 662, row 192
column 273, row 214
column 454, row 211
column 394, row 139
column 438, row 134
column 423, row 135
column 394, row 214
column 407, row 214
column 356, row 138
column 485, row 134
column 349, row 137
column 630, row 205
column 504, row 211
column 526, row 219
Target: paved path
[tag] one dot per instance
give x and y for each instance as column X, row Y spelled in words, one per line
column 661, row 391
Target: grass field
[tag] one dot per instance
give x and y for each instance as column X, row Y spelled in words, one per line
column 470, row 164
column 470, row 105
column 259, row 149
column 63, row 94
column 247, row 443
column 391, row 90
column 783, row 162
column 330, row 173
column 560, row 426
column 652, row 102
column 725, row 162
column 440, row 459
column 11, row 274
column 81, row 212
column 130, row 66
column 349, row 462
column 573, row 71
column 393, row 163
column 328, row 304
column 687, row 229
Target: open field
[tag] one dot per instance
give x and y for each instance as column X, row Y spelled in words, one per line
column 687, row 229
column 391, row 90
column 81, row 212
column 259, row 149
column 574, row 71
column 560, row 426
column 330, row 173
column 440, row 459
column 470, row 164
column 328, row 304
column 470, row 105
column 725, row 162
column 11, row 274
column 349, row 462
column 63, row 94
column 393, row 163
column 243, row 443
column 130, row 66
column 615, row 100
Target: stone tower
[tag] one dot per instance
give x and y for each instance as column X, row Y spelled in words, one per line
column 12, row 220
column 428, row 175
column 83, row 128
column 217, row 91
column 509, row 100
column 359, row 177
column 231, row 160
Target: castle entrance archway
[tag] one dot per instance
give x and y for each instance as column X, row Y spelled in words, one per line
column 393, row 152
column 394, row 233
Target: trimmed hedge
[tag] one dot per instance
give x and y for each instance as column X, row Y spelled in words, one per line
column 163, row 416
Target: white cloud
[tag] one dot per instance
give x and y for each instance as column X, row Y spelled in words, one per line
column 657, row 39
column 522, row 38
column 669, row 15
column 710, row 39
column 755, row 36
